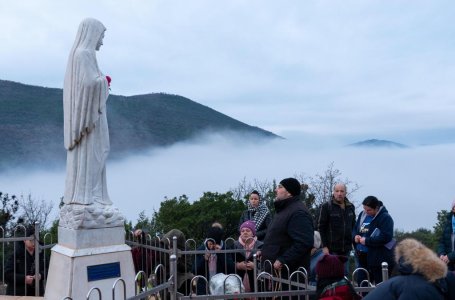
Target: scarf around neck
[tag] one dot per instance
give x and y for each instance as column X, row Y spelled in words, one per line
column 248, row 247
column 259, row 213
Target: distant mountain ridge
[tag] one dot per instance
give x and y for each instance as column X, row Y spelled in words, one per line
column 375, row 143
column 31, row 123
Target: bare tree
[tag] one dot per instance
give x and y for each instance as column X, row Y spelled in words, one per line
column 321, row 185
column 241, row 190
column 33, row 210
column 316, row 189
column 244, row 188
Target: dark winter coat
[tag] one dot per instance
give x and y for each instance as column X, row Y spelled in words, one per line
column 240, row 256
column 421, row 275
column 335, row 224
column 184, row 274
column 377, row 252
column 446, row 246
column 290, row 236
column 19, row 264
column 224, row 264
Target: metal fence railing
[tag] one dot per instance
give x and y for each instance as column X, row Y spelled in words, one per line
column 12, row 249
column 162, row 269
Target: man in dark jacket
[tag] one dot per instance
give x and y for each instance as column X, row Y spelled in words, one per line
column 20, row 270
column 336, row 222
column 290, row 236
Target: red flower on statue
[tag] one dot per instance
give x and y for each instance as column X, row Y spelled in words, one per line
column 108, row 78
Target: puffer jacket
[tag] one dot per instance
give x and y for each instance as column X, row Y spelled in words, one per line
column 422, row 275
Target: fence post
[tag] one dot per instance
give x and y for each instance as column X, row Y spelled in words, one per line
column 255, row 272
column 37, row 261
column 173, row 268
column 385, row 271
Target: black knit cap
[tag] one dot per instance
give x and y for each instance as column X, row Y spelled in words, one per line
column 291, row 185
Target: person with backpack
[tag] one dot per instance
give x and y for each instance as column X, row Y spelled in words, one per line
column 336, row 222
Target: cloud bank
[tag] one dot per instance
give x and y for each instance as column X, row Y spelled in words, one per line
column 414, row 183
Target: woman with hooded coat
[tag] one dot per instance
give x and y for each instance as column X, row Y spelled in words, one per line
column 212, row 262
column 422, row 275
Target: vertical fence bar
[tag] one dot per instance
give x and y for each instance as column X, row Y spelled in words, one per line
column 255, row 272
column 3, row 257
column 385, row 271
column 37, row 262
column 173, row 268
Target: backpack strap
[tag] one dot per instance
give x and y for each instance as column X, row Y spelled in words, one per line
column 330, row 290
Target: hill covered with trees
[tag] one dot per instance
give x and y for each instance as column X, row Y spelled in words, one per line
column 31, row 123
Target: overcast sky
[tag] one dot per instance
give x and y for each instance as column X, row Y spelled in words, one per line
column 325, row 72
column 313, row 67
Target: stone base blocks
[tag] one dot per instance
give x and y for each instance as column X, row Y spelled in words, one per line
column 90, row 258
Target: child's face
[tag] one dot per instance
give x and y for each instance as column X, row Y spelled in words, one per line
column 211, row 245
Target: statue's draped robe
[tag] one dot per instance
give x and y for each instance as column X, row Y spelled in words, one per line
column 86, row 132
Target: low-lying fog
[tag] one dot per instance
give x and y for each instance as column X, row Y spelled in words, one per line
column 414, row 183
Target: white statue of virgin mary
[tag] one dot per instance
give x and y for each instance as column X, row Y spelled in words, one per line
column 86, row 133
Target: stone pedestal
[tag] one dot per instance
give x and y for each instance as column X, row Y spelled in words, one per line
column 90, row 258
